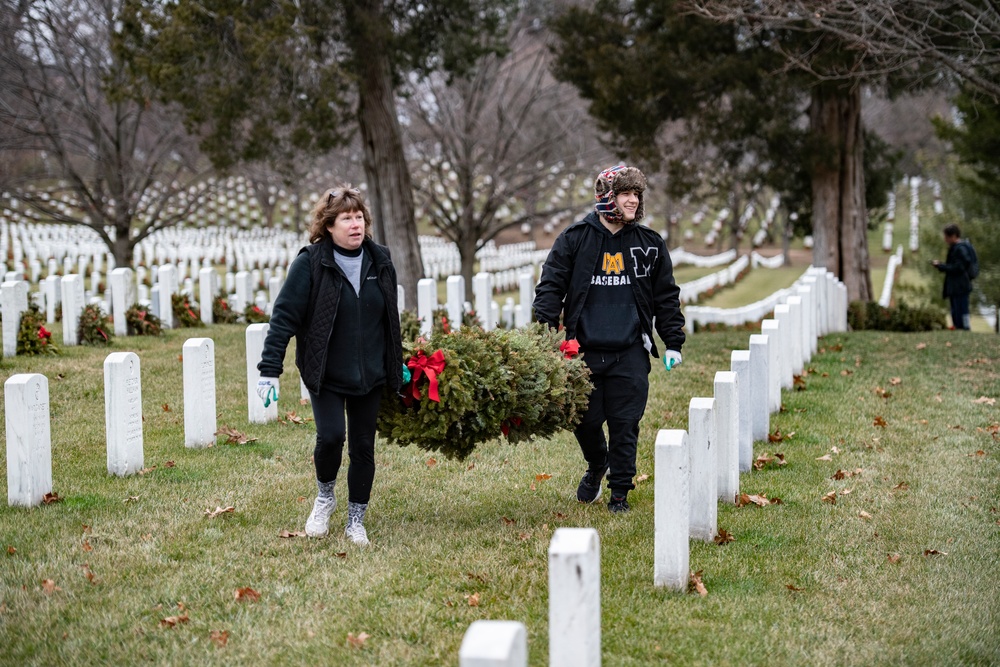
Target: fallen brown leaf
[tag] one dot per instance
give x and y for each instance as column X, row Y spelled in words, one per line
column 976, row 453
column 473, row 599
column 902, row 486
column 895, row 381
column 560, row 515
column 985, row 400
column 507, row 522
column 49, row 587
column 287, row 534
column 641, row 478
column 431, row 462
column 11, row 550
column 86, row 546
column 219, row 637
column 893, row 558
column 865, row 515
column 825, row 457
column 921, row 346
column 830, row 498
column 879, row 421
column 934, row 552
column 246, row 594
column 724, row 537
column 211, row 514
column 541, row 477
column 234, row 437
column 171, row 621
column 357, row 641
column 794, row 588
column 87, row 573
column 697, row 584
column 50, row 498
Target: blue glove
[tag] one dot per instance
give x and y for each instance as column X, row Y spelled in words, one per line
column 406, row 374
column 671, row 358
column 267, row 389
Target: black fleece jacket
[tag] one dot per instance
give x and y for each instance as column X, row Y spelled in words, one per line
column 308, row 307
column 573, row 261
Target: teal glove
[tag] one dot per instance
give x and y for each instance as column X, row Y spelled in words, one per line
column 671, row 358
column 267, row 389
column 406, row 374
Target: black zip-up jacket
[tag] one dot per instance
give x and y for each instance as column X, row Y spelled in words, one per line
column 956, row 270
column 307, row 308
column 572, row 262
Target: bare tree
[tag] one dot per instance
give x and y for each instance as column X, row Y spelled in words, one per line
column 503, row 146
column 112, row 159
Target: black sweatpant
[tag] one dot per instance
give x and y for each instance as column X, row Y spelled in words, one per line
column 328, row 411
column 621, row 387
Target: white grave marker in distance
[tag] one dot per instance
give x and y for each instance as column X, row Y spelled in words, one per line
column 123, row 413
column 29, row 439
column 199, row 393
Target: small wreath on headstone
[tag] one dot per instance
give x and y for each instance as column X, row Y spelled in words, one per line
column 185, row 313
column 221, row 312
column 95, row 326
column 142, row 322
column 32, row 335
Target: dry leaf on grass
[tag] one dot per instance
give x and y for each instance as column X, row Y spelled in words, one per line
column 87, row 573
column 11, row 550
column 50, row 498
column 760, row 501
column 211, row 514
column 893, row 558
column 285, row 534
column 934, row 552
column 985, row 400
column 473, row 599
column 895, row 381
column 976, row 453
column 879, row 421
column 234, row 437
column 794, row 588
column 695, row 583
column 825, row 457
column 246, row 594
column 219, row 637
column 357, row 641
column 830, row 498
column 902, row 486
column 171, row 621
column 431, row 462
column 865, row 515
column 541, row 477
column 507, row 522
column 641, row 478
column 723, row 537
column 49, row 586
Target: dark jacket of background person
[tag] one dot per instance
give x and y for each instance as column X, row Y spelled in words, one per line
column 956, row 270
column 656, row 293
column 307, row 308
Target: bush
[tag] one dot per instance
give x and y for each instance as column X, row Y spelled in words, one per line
column 95, row 326
column 184, row 312
column 870, row 315
column 409, row 326
column 141, row 322
column 32, row 336
column 221, row 312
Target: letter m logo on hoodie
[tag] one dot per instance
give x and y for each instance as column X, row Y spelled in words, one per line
column 643, row 260
column 613, row 263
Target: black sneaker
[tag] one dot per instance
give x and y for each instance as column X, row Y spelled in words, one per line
column 589, row 490
column 618, row 504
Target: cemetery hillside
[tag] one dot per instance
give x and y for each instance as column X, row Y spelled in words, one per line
column 325, row 329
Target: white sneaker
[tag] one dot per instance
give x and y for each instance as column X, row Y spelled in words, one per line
column 317, row 525
column 356, row 533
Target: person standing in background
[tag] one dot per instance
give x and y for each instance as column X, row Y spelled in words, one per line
column 957, row 280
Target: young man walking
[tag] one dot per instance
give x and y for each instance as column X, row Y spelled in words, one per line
column 957, row 281
column 611, row 280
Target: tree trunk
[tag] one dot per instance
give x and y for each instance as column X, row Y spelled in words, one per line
column 840, row 216
column 389, row 188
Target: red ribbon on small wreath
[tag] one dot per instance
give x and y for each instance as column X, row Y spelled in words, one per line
column 507, row 423
column 570, row 348
column 420, row 364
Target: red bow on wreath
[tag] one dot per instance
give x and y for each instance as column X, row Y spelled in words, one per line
column 570, row 348
column 420, row 364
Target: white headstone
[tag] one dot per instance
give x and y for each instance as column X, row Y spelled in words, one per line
column 727, row 442
column 257, row 413
column 122, row 298
column 400, row 299
column 207, row 280
column 455, row 286
column 799, row 343
column 244, row 291
column 426, row 304
column 701, row 442
column 13, row 303
column 73, row 301
column 29, row 439
column 482, row 288
column 575, row 598
column 740, row 364
column 762, row 374
column 671, row 547
column 53, row 296
column 494, row 644
column 199, row 392
column 166, row 281
column 779, row 331
column 123, row 413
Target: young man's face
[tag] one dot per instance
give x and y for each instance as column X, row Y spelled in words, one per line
column 628, row 203
column 951, row 240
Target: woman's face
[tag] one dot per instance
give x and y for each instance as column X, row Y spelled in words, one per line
column 348, row 229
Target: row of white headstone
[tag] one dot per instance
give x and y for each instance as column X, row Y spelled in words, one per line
column 694, row 470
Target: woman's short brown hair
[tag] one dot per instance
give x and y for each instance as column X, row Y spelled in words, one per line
column 341, row 199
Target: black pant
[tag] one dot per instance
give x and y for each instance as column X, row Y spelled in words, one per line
column 328, row 411
column 621, row 386
column 960, row 310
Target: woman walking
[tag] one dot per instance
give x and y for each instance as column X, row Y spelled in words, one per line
column 339, row 301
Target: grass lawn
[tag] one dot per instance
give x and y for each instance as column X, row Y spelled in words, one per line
column 805, row 582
